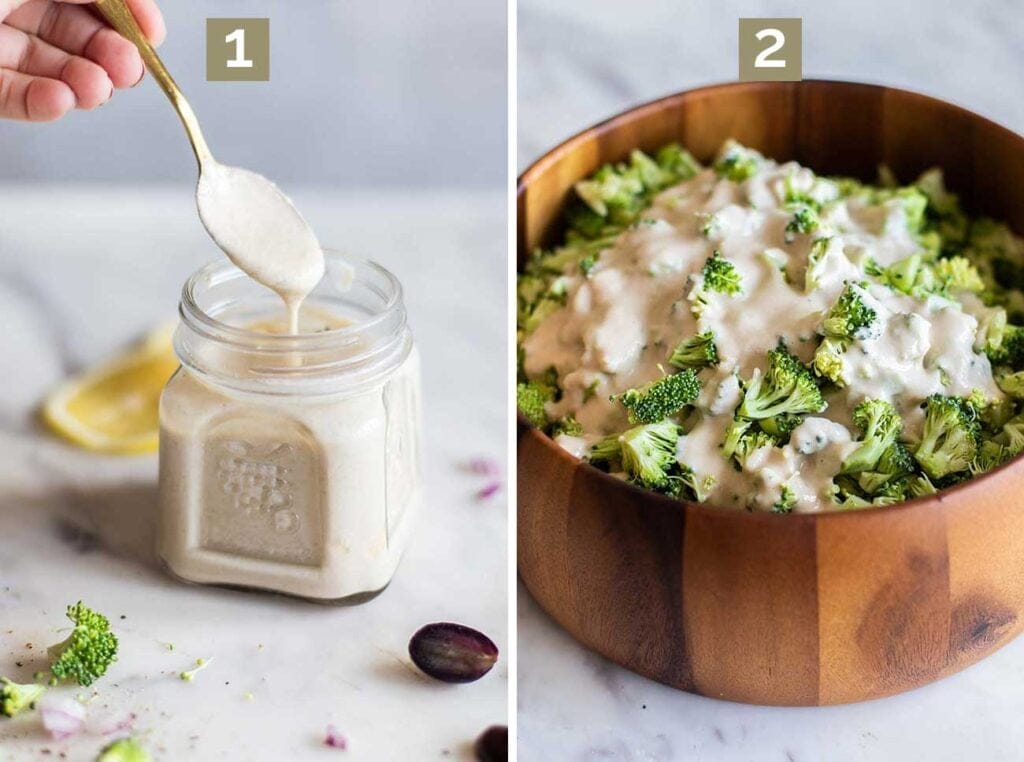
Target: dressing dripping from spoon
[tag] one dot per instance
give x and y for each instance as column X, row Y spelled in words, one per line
column 248, row 217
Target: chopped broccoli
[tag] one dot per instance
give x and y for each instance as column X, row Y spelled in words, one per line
column 189, row 675
column 1007, row 348
column 90, row 649
column 828, row 361
column 676, row 160
column 567, row 425
column 697, row 352
column 588, row 263
column 920, row 485
column 607, row 451
column 123, row 750
column 792, row 196
column 611, row 189
column 698, row 489
column 908, row 275
column 720, row 275
column 779, row 427
column 661, row 398
column 786, row 501
column 613, row 197
column 805, row 221
column 950, row 439
column 787, row 387
column 914, row 203
column 531, row 397
column 881, row 427
column 958, row 274
column 816, row 264
column 849, row 318
column 742, row 439
column 16, row 697
column 649, row 453
column 1012, row 383
column 737, row 163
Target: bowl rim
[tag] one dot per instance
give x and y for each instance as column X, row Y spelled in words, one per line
column 537, row 166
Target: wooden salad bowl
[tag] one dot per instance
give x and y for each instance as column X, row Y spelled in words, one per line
column 801, row 609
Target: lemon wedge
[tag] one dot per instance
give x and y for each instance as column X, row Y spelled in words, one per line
column 115, row 407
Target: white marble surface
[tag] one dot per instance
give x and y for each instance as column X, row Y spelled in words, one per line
column 579, row 63
column 83, row 269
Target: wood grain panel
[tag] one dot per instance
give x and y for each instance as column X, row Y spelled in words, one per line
column 751, row 606
column 623, row 598
column 883, row 580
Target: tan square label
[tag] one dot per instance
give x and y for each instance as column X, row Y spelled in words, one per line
column 771, row 50
column 237, row 50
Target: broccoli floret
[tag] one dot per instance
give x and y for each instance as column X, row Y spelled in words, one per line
column 787, row 387
column 895, row 465
column 697, row 352
column 720, row 275
column 607, row 451
column 1012, row 383
column 687, row 485
column 567, row 425
column 741, row 439
column 737, row 163
column 805, row 221
column 676, row 160
column 86, row 654
column 611, row 188
column 123, row 750
column 958, row 274
column 816, row 264
column 648, row 453
column 950, row 439
column 1007, row 443
column 16, row 697
column 909, row 276
column 828, row 361
column 661, row 398
column 914, row 203
column 881, row 426
column 786, row 501
column 920, row 485
column 850, row 317
column 1007, row 348
column 792, row 196
column 779, row 427
column 531, row 397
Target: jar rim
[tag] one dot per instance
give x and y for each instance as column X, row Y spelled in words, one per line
column 218, row 271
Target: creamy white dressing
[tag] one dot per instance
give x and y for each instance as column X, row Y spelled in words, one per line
column 261, row 232
column 620, row 324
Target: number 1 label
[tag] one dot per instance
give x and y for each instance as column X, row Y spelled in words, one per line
column 239, row 61
column 237, row 50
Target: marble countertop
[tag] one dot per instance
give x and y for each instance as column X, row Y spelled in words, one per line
column 580, row 63
column 83, row 270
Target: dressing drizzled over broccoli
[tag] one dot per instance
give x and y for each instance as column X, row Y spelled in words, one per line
column 756, row 336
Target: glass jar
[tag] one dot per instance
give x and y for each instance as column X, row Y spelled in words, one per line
column 291, row 463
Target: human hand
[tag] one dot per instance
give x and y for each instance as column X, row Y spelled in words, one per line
column 56, row 55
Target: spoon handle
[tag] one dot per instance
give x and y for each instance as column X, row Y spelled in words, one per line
column 116, row 12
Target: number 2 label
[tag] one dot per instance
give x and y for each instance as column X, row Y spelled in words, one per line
column 763, row 60
column 240, row 61
column 770, row 50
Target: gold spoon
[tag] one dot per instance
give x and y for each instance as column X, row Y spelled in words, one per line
column 118, row 15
